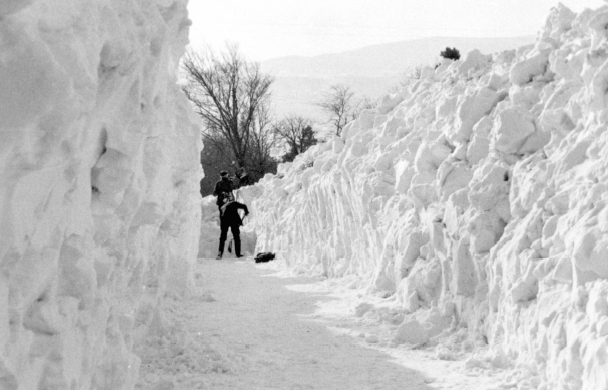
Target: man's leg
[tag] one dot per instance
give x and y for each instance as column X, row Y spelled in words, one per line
column 223, row 234
column 236, row 234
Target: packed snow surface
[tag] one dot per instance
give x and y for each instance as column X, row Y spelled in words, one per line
column 476, row 200
column 247, row 326
column 99, row 213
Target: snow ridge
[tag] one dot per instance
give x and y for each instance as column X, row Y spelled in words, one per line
column 99, row 213
column 476, row 195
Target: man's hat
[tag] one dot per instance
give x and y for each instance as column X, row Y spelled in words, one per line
column 223, row 173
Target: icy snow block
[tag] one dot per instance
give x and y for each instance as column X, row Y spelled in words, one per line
column 411, row 251
column 474, row 60
column 486, row 228
column 411, row 332
column 443, row 66
column 366, row 119
column 511, row 128
column 337, row 145
column 597, row 305
column 495, row 81
column 422, row 285
column 404, row 172
column 525, row 288
column 424, row 193
column 452, row 176
column 393, row 124
column 384, row 162
column 434, row 321
column 446, row 106
column 463, row 270
column 559, row 21
column 524, row 71
column 112, row 175
column 379, row 120
column 437, row 241
column 472, row 109
column 388, row 102
column 8, row 7
column 454, row 207
column 429, row 156
column 382, row 184
column 591, row 251
column 479, row 147
column 32, row 84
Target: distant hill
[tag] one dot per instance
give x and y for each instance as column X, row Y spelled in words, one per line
column 370, row 71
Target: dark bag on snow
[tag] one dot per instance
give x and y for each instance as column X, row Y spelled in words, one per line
column 264, row 257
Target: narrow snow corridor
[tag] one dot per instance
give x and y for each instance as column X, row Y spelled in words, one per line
column 245, row 331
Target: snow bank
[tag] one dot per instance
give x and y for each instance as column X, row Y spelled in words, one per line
column 99, row 209
column 478, row 195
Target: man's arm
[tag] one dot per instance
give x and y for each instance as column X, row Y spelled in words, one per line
column 240, row 205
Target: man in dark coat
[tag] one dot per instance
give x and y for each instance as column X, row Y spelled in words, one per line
column 240, row 174
column 230, row 218
column 223, row 190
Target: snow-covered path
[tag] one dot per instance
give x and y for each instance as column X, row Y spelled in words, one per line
column 247, row 331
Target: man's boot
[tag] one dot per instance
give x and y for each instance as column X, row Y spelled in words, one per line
column 219, row 256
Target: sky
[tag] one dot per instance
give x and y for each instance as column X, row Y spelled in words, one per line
column 267, row 29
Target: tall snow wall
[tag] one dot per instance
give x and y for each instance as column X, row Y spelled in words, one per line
column 99, row 210
column 479, row 190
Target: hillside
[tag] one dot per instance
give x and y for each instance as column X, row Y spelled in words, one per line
column 385, row 60
column 370, row 71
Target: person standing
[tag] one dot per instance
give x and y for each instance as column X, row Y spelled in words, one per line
column 223, row 190
column 230, row 218
column 240, row 174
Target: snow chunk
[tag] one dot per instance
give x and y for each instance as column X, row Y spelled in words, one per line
column 411, row 332
column 526, row 70
column 471, row 110
column 511, row 129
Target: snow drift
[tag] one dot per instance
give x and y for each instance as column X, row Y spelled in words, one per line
column 99, row 208
column 476, row 196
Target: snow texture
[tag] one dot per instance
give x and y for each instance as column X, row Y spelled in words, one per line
column 477, row 197
column 99, row 212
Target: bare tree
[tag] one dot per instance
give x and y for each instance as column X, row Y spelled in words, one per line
column 296, row 131
column 217, row 154
column 262, row 140
column 228, row 93
column 365, row 103
column 339, row 103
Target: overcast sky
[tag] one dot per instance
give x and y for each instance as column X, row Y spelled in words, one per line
column 274, row 28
